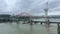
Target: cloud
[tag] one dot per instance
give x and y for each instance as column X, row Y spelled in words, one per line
column 54, row 13
column 54, row 4
column 35, row 7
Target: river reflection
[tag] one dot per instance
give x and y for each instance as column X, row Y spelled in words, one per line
column 47, row 30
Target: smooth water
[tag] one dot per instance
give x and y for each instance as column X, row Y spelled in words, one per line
column 7, row 28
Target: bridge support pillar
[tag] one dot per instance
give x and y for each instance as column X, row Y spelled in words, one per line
column 17, row 22
column 47, row 24
column 31, row 23
column 41, row 23
column 58, row 24
column 24, row 22
column 11, row 22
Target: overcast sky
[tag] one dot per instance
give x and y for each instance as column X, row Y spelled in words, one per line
column 34, row 7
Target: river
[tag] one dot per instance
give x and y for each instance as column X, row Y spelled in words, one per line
column 7, row 28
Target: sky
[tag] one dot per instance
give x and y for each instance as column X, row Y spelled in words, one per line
column 34, row 7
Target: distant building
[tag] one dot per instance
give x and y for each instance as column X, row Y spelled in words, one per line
column 4, row 17
column 24, row 14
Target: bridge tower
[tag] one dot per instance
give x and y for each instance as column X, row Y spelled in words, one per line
column 46, row 14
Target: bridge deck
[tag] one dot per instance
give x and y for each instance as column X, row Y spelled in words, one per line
column 45, row 22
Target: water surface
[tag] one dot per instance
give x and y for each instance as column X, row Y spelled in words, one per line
column 7, row 28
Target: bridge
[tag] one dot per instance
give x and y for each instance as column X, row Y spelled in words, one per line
column 45, row 22
column 24, row 18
